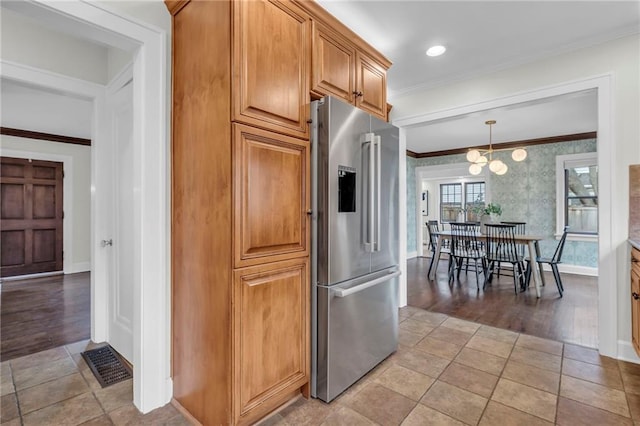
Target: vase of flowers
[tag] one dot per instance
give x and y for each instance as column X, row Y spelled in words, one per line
column 489, row 214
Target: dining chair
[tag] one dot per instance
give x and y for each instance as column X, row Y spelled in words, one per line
column 501, row 247
column 552, row 261
column 520, row 229
column 433, row 229
column 443, row 226
column 465, row 246
column 472, row 227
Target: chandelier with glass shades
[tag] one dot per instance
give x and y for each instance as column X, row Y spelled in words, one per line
column 481, row 157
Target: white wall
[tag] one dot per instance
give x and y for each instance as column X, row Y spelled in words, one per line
column 81, row 206
column 27, row 108
column 620, row 57
column 26, row 42
column 117, row 60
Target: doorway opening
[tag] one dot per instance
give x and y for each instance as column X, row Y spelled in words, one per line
column 150, row 320
column 579, row 322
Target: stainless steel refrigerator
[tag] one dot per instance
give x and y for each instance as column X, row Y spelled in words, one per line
column 354, row 244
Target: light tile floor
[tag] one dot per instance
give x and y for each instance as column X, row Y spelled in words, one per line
column 446, row 372
column 56, row 387
column 453, row 372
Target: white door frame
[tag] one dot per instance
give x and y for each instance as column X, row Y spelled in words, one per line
column 152, row 386
column 607, row 255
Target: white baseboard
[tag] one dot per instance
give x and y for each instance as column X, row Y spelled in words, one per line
column 574, row 269
column 29, row 276
column 79, row 267
column 626, row 352
column 412, row 254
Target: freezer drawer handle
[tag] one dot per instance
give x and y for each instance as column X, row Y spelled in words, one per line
column 341, row 292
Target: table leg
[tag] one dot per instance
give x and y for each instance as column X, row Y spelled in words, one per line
column 534, row 267
column 537, row 245
column 432, row 275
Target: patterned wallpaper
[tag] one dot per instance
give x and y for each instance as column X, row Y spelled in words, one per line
column 527, row 192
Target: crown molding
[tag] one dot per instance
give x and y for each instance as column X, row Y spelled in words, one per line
column 508, row 145
column 20, row 133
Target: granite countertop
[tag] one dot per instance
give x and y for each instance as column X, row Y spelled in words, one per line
column 635, row 243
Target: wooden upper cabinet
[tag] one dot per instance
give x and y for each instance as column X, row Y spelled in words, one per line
column 346, row 71
column 371, row 85
column 271, row 336
column 271, row 193
column 333, row 64
column 271, row 66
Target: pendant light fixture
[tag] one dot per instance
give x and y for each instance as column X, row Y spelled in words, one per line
column 480, row 158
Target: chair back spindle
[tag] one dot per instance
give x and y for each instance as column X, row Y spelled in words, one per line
column 501, row 244
column 520, row 229
column 465, row 240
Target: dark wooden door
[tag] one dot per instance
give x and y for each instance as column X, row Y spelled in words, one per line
column 30, row 216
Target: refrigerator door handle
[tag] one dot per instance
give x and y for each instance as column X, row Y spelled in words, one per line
column 378, row 144
column 369, row 241
column 341, row 292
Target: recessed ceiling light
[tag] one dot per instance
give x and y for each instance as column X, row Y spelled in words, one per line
column 436, row 50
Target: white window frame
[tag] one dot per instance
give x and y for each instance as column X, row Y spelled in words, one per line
column 562, row 163
column 442, row 172
column 463, row 182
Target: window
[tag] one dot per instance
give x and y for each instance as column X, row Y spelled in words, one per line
column 577, row 198
column 450, row 201
column 474, row 200
column 453, row 196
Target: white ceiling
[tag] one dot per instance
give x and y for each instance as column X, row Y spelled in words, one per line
column 483, row 37
column 558, row 116
column 480, row 36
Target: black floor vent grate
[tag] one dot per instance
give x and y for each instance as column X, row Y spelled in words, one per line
column 107, row 365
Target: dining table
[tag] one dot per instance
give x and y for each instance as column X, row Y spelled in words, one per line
column 531, row 241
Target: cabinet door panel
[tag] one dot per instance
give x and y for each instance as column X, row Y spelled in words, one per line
column 271, row 196
column 635, row 307
column 333, row 64
column 372, row 84
column 271, row 65
column 271, row 323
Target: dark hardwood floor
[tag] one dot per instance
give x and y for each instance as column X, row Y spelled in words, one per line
column 572, row 319
column 44, row 313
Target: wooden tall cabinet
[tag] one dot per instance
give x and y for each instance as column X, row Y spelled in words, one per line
column 241, row 196
column 240, row 223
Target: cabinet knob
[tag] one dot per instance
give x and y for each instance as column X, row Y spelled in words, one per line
column 357, row 94
column 635, row 295
column 309, row 212
column 634, row 260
